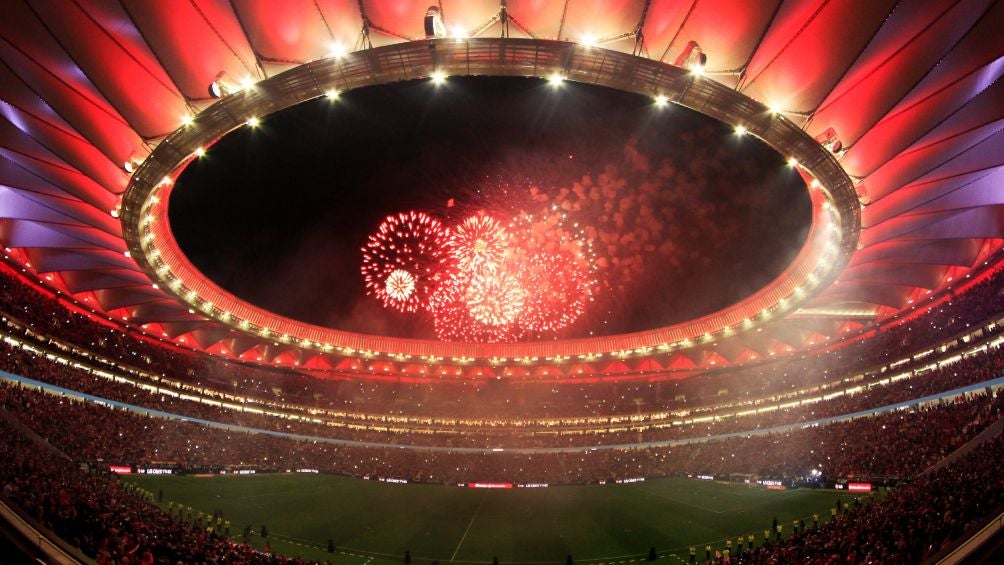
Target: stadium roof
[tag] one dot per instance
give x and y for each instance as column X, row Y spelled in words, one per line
column 911, row 91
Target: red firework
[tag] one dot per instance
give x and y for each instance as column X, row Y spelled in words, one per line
column 402, row 260
column 559, row 286
column 495, row 299
column 553, row 259
column 483, row 282
column 479, row 243
column 453, row 320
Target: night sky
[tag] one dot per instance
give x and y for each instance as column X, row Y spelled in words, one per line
column 685, row 216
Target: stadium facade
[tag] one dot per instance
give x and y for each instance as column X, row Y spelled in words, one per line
column 104, row 103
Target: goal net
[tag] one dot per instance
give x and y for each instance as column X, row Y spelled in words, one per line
column 742, row 479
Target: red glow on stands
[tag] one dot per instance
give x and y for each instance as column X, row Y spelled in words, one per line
column 962, row 286
column 100, row 318
column 616, row 367
column 447, row 373
column 649, row 365
column 347, row 364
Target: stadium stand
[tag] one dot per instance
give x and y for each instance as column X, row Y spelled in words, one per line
column 640, row 430
column 90, row 510
column 909, row 525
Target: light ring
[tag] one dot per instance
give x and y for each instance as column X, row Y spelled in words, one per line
column 832, row 238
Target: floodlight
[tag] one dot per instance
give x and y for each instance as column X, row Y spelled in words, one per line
column 433, row 22
column 221, row 85
column 692, row 58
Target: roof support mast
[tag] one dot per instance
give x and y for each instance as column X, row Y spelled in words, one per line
column 364, row 33
column 503, row 18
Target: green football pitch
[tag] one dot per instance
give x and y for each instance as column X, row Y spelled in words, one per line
column 374, row 523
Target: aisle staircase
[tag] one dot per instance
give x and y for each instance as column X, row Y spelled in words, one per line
column 30, row 433
column 991, row 432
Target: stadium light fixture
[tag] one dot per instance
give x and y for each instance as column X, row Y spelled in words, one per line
column 755, row 111
column 221, row 85
column 830, row 141
column 741, row 130
column 438, row 78
column 433, row 23
column 692, row 58
column 331, row 94
column 792, row 162
column 336, row 50
column 458, row 32
column 588, row 40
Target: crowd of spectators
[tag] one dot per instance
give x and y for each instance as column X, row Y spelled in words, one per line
column 45, row 315
column 480, row 429
column 879, row 345
column 46, row 318
column 95, row 513
column 919, row 437
column 909, row 525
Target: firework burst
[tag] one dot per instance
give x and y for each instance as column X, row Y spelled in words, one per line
column 453, row 321
column 402, row 260
column 482, row 280
column 553, row 259
column 400, row 285
column 560, row 287
column 478, row 244
column 495, row 299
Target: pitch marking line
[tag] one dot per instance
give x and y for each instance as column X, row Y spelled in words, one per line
column 469, row 524
column 694, row 506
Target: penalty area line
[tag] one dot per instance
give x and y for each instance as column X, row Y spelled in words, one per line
column 469, row 524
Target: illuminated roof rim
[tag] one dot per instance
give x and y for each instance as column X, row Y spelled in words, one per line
column 495, row 57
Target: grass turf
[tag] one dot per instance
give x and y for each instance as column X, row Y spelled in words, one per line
column 374, row 523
